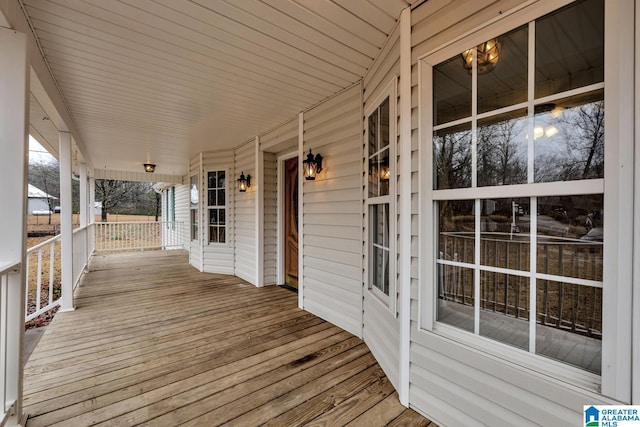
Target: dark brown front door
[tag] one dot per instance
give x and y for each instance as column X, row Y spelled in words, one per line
column 291, row 222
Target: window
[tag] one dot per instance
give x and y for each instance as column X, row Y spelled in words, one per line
column 193, row 207
column 380, row 152
column 518, row 189
column 216, row 206
column 173, row 204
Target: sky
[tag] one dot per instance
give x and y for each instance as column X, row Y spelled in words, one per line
column 37, row 153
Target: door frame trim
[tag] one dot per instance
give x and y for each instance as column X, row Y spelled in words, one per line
column 280, row 215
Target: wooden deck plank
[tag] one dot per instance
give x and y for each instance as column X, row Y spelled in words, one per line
column 155, row 342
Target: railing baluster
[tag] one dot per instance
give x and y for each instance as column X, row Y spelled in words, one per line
column 39, row 281
column 52, row 258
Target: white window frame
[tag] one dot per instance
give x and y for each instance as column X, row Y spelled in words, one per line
column 390, row 91
column 617, row 271
column 225, row 207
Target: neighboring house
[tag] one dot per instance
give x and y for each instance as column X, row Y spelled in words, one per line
column 39, row 202
column 464, row 160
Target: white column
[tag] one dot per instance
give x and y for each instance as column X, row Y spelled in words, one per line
column 405, row 203
column 92, row 213
column 66, row 221
column 300, row 212
column 14, row 107
column 84, row 192
column 259, row 194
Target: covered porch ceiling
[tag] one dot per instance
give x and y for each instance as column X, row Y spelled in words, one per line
column 161, row 80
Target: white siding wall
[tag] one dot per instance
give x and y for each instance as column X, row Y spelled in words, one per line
column 332, row 220
column 195, row 246
column 218, row 257
column 381, row 326
column 244, row 214
column 182, row 209
column 449, row 382
column 270, row 219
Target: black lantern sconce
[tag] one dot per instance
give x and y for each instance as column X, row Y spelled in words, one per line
column 385, row 170
column 244, row 182
column 149, row 167
column 312, row 166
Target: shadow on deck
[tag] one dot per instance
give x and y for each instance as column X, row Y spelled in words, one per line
column 155, row 342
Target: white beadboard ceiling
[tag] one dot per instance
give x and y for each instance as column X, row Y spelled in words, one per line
column 160, row 80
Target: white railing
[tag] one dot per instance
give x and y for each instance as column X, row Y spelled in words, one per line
column 81, row 251
column 134, row 236
column 43, row 290
column 9, row 340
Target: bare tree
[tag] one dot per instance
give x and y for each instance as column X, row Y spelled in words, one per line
column 112, row 192
column 452, row 157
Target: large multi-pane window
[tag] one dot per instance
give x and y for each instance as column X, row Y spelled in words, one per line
column 518, row 164
column 216, row 206
column 379, row 189
column 194, row 196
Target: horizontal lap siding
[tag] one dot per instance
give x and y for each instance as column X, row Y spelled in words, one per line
column 244, row 214
column 281, row 138
column 218, row 258
column 450, row 382
column 270, row 219
column 381, row 326
column 332, row 261
column 195, row 246
column 182, row 210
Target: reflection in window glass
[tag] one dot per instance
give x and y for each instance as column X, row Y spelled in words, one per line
column 456, row 244
column 451, row 91
column 570, row 236
column 504, row 303
column 569, row 138
column 570, row 324
column 452, row 157
column 570, row 48
column 506, row 83
column 379, row 246
column 456, row 296
column 379, row 137
column 504, row 238
column 502, row 149
column 456, row 224
column 216, row 206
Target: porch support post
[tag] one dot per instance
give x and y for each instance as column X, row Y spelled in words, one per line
column 91, row 240
column 84, row 203
column 14, row 107
column 66, row 221
column 300, row 212
column 405, row 203
column 259, row 180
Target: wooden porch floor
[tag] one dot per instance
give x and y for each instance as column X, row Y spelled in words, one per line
column 155, row 342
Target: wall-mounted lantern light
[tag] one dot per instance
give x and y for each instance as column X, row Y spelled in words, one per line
column 385, row 170
column 149, row 167
column 244, row 182
column 488, row 56
column 311, row 166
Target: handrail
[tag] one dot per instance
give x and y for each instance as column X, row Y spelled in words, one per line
column 43, row 244
column 9, row 267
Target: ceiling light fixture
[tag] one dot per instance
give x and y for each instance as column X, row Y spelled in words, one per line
column 149, row 167
column 488, row 54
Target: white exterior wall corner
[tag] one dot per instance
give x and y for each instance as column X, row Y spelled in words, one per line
column 182, row 211
column 244, row 213
column 452, row 383
column 195, row 246
column 381, row 327
column 329, row 266
column 635, row 362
